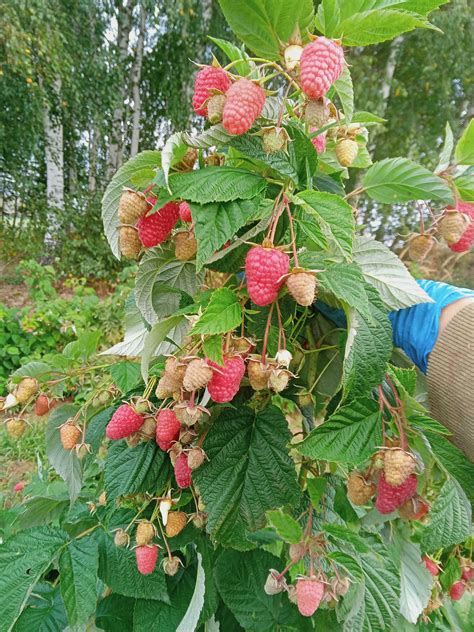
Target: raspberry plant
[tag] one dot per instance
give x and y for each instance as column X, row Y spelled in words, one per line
column 267, row 466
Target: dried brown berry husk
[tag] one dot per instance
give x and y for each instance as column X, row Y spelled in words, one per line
column 188, row 414
column 121, row 538
column 346, row 152
column 177, row 520
column 28, row 387
column 452, row 225
column 419, row 246
column 215, row 108
column 196, row 458
column 302, row 286
column 398, row 466
column 171, row 565
column 175, row 451
column 415, row 508
column 297, row 551
column 199, row 520
column 145, row 533
column 185, row 245
column 188, row 161
column 133, row 440
column 359, row 490
column 279, row 380
column 316, row 113
column 186, row 436
column 259, row 373
column 16, row 427
column 198, row 374
column 274, row 583
column 242, row 346
column 129, row 242
column 274, row 139
column 132, row 206
column 214, row 280
column 102, row 499
column 148, row 429
column 69, row 434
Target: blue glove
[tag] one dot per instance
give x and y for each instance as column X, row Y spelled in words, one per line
column 415, row 329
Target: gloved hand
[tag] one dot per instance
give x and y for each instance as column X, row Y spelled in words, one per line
column 415, row 329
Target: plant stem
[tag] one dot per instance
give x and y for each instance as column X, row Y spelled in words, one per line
column 267, row 331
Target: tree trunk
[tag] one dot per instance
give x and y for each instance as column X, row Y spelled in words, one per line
column 124, row 26
column 93, row 149
column 54, row 158
column 136, row 76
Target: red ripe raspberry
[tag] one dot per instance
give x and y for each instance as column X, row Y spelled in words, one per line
column 225, row 382
column 430, row 565
column 390, row 497
column 182, row 471
column 264, row 268
column 321, row 64
column 146, row 557
column 155, row 229
column 244, row 103
column 167, row 429
column 309, row 592
column 319, row 141
column 467, row 239
column 185, row 212
column 208, row 78
column 457, row 590
column 125, row 421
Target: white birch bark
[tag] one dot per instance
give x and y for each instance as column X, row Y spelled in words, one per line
column 124, row 20
column 136, row 77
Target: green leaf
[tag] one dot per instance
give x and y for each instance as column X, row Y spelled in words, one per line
column 23, row 561
column 118, row 570
column 44, row 612
column 379, row 25
column 345, row 91
column 222, row 314
column 212, row 348
column 348, row 436
column 191, row 617
column 401, row 180
column 78, row 572
column 248, row 472
column 380, row 590
column 346, row 282
column 446, row 151
column 283, row 164
column 144, row 468
column 451, row 573
column 455, row 462
column 156, row 616
column 464, row 152
column 214, row 136
column 160, row 283
column 139, row 169
column 135, row 332
column 240, row 579
column 339, row 533
column 285, row 525
column 387, row 274
column 216, row 184
column 115, row 612
column 65, row 462
column 234, row 53
column 328, row 17
column 406, row 378
column 153, row 344
column 316, row 488
column 450, row 518
column 173, row 152
column 465, row 186
column 40, row 370
column 333, row 215
column 126, row 375
column 41, row 510
column 415, row 580
column 216, row 223
column 368, row 347
column 262, row 25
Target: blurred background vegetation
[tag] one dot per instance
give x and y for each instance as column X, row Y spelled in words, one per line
column 88, row 83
